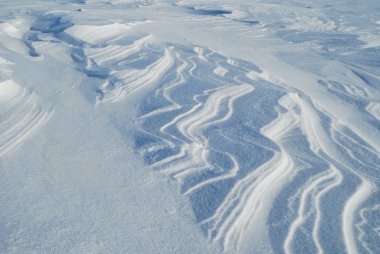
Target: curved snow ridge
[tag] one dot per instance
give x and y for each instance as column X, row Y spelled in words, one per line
column 216, row 109
column 374, row 109
column 369, row 229
column 11, row 34
column 200, row 117
column 185, row 124
column 113, row 55
column 278, row 160
column 97, row 34
column 314, row 156
column 351, row 211
column 21, row 114
column 310, row 199
column 266, row 183
column 324, row 144
column 350, row 82
column 124, row 69
column 181, row 145
column 10, row 30
column 129, row 80
column 247, row 206
column 260, row 162
column 6, row 71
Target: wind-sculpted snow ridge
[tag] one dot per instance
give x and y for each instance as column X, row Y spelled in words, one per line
column 374, row 109
column 21, row 113
column 124, row 68
column 262, row 165
column 272, row 134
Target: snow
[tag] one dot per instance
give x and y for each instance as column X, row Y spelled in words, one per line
column 179, row 126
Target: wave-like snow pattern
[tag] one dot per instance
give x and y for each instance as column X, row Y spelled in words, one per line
column 264, row 166
column 124, row 69
column 259, row 162
column 268, row 166
column 21, row 113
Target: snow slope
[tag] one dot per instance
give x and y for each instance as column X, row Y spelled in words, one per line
column 185, row 126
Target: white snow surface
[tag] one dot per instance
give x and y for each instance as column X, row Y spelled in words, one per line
column 179, row 126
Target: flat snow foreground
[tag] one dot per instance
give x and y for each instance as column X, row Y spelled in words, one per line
column 180, row 126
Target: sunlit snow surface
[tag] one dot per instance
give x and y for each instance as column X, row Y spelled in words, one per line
column 263, row 115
